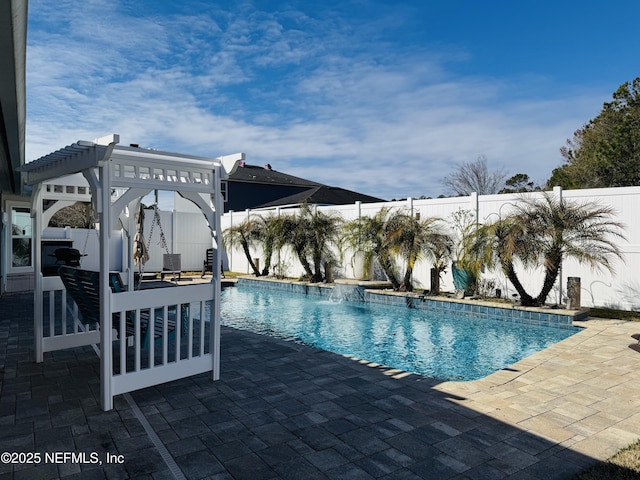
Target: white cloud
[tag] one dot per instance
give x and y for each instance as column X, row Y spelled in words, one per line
column 298, row 92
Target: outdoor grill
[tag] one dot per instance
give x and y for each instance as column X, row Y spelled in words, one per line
column 67, row 256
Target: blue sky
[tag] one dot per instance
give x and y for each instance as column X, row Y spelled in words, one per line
column 381, row 97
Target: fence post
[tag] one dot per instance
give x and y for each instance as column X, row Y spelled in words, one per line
column 248, row 212
column 557, row 191
column 230, row 251
column 174, row 229
column 279, row 252
column 475, row 205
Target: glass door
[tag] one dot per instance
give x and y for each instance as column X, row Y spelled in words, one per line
column 21, row 233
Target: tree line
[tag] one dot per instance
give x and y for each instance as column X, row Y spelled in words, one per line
column 605, row 152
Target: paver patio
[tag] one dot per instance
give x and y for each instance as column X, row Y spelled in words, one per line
column 284, row 410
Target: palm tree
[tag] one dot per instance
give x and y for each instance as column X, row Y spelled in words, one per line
column 270, row 234
column 502, row 243
column 309, row 233
column 325, row 229
column 295, row 231
column 244, row 235
column 312, row 232
column 371, row 238
column 413, row 239
column 544, row 232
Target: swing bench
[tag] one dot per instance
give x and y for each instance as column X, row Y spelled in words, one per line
column 171, row 262
column 84, row 288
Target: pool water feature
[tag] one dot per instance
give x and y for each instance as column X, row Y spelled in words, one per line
column 345, row 292
column 442, row 346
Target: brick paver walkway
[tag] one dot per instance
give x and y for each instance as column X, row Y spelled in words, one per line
column 283, row 410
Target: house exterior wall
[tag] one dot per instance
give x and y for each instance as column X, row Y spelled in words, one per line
column 242, row 195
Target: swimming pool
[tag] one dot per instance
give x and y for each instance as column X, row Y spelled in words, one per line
column 434, row 345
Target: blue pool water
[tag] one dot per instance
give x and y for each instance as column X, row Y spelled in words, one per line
column 418, row 341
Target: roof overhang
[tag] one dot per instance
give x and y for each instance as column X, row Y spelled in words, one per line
column 13, row 48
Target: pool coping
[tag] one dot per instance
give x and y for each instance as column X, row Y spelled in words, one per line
column 512, row 313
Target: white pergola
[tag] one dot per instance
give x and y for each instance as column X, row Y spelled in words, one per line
column 115, row 178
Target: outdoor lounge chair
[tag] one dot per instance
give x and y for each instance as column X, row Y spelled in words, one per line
column 84, row 288
column 207, row 264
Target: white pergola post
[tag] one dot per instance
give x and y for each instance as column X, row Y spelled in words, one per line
column 118, row 177
column 36, row 215
column 216, row 201
column 103, row 196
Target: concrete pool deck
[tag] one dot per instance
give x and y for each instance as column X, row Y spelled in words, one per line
column 284, row 410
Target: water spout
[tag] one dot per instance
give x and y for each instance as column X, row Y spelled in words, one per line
column 346, row 292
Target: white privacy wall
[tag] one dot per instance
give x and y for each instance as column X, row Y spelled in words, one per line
column 599, row 288
column 186, row 233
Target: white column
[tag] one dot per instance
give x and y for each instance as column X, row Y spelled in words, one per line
column 36, row 238
column 214, row 339
column 103, row 195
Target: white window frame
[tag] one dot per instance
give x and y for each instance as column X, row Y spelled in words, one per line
column 11, row 206
column 224, row 190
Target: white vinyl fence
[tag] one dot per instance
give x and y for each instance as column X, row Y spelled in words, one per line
column 188, row 235
column 185, row 233
column 599, row 288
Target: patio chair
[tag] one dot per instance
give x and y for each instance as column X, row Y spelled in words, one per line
column 84, row 288
column 207, row 264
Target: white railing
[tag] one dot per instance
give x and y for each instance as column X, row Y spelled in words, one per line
column 179, row 316
column 61, row 325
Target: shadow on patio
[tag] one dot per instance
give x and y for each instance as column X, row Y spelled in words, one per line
column 280, row 410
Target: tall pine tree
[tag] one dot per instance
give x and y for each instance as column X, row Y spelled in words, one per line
column 606, row 151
